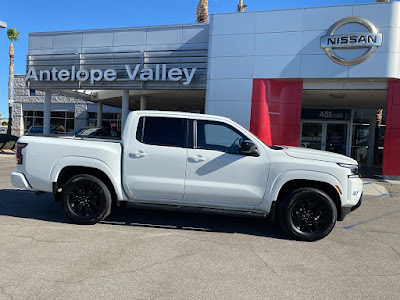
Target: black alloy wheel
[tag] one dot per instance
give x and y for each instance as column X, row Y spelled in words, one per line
column 308, row 214
column 86, row 199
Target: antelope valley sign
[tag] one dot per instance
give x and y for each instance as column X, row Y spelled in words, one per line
column 161, row 72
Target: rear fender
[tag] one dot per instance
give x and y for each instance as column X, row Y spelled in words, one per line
column 71, row 161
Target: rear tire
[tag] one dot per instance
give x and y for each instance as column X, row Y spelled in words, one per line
column 307, row 214
column 86, row 200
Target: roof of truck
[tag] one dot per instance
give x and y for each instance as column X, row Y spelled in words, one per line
column 181, row 114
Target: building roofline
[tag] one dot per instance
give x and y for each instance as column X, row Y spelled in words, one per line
column 119, row 29
column 310, row 7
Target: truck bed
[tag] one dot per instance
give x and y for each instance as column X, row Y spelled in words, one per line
column 45, row 156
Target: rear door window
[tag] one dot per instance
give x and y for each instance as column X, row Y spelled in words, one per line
column 161, row 131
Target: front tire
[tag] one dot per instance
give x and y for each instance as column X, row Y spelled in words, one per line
column 86, row 200
column 307, row 214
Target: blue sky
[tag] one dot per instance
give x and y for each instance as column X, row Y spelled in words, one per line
column 45, row 15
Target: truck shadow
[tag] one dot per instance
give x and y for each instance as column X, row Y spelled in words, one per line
column 28, row 205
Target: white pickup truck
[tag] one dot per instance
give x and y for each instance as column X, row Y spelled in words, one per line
column 195, row 161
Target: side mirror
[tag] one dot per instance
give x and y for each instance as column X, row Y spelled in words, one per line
column 249, row 148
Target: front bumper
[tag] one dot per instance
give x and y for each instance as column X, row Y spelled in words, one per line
column 346, row 210
column 19, row 181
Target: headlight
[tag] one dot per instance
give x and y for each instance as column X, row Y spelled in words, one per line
column 353, row 169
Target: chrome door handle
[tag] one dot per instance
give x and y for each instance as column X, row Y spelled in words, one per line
column 137, row 154
column 197, row 158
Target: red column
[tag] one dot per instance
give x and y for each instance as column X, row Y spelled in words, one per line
column 391, row 154
column 276, row 111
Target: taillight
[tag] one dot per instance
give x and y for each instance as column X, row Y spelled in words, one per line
column 18, row 154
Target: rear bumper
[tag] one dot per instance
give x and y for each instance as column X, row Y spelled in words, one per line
column 19, row 181
column 347, row 210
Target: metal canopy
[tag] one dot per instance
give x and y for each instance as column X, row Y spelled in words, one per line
column 184, row 100
column 158, row 61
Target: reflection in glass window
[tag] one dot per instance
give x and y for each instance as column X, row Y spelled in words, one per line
column 311, row 136
column 361, row 116
column 109, row 120
column 360, row 135
column 61, row 122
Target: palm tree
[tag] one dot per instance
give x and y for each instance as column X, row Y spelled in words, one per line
column 241, row 6
column 202, row 11
column 378, row 122
column 12, row 36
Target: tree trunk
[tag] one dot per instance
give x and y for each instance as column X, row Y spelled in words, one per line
column 10, row 87
column 241, row 7
column 202, row 11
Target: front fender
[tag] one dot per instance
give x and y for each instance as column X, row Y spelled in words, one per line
column 78, row 161
column 274, row 187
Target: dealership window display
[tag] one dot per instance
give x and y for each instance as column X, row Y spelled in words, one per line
column 61, row 122
column 109, row 120
column 360, row 136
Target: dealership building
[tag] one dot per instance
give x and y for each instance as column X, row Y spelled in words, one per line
column 310, row 77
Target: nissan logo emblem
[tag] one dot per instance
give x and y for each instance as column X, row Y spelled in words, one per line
column 369, row 40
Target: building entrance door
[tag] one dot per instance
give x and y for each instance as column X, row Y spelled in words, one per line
column 330, row 136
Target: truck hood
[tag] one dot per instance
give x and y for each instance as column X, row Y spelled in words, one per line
column 311, row 154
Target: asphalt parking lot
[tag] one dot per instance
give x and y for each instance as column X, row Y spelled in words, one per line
column 147, row 254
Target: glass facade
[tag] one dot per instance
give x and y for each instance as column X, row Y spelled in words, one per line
column 360, row 136
column 328, row 130
column 61, row 122
column 109, row 120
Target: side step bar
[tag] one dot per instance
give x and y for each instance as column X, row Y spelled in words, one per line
column 205, row 210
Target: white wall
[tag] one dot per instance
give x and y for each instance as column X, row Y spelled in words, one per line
column 173, row 37
column 286, row 44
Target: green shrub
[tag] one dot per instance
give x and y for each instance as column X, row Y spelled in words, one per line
column 7, row 142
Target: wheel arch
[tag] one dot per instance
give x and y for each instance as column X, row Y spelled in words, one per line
column 68, row 172
column 294, row 184
column 65, row 169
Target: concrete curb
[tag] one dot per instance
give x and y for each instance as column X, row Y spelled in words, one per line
column 374, row 189
column 7, row 152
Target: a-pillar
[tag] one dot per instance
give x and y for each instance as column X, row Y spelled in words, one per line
column 99, row 113
column 391, row 157
column 276, row 111
column 125, row 108
column 143, row 102
column 47, row 112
